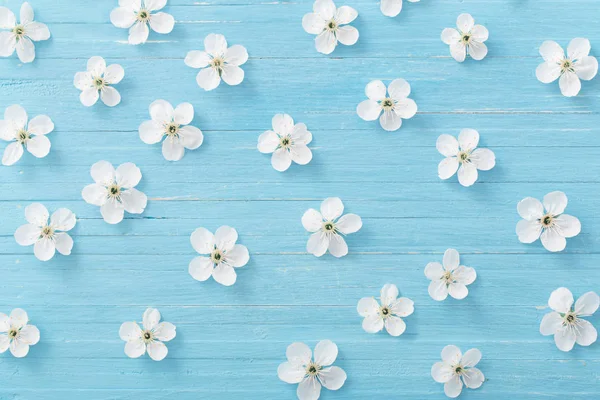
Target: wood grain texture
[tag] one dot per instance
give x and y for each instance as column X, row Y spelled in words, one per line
column 231, row 340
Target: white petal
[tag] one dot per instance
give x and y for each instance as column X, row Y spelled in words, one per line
column 183, row 114
column 8, row 43
column 161, row 111
column 465, row 22
column 337, row 246
column 555, row 202
column 37, row 214
column 325, row 352
column 208, row 79
column 578, row 48
column 395, row 326
column 110, row 96
column 122, row 17
column 390, row 121
column 568, row 225
column 561, row 300
column 399, row 89
column 225, row 238
column 548, row 72
column 468, row 139
column 458, row 51
column 301, row 154
column 224, row 274
column 367, row 306
column 312, row 220
column 44, row 249
column 7, row 18
column 12, row 153
column 448, row 167
column 434, row 270
column 138, row 33
column 471, row 358
column 4, row 342
column 368, row 110
column 153, row 5
column 215, row 44
column 232, row 75
column 19, row 349
column 325, row 42
column 406, row 108
column 298, row 354
column 347, row 35
column 450, row 36
column 465, row 275
column 268, row 142
column 441, row 372
column 197, row 59
column 332, row 208
column 172, row 149
column 150, row 318
column 552, row 52
column 345, row 15
column 63, row 243
column 389, row 294
column 438, row 290
column 349, row 223
column 190, row 137
column 96, row 66
column 162, row 22
column 391, row 8
column 40, row 125
column 309, row 389
column 151, row 132
column 565, row 339
column 553, row 240
column 483, row 159
column 18, row 318
column 135, row 348
column 332, row 378
column 134, row 201
column 30, row 335
column 586, row 68
column 530, row 209
column 281, row 159
column 201, row 268
column 325, row 8
column 112, row 211
column 467, row 174
column 157, row 350
column 203, row 241
column 373, row 323
column 551, row 323
column 403, row 307
column 447, row 145
column 313, row 23
column 89, row 96
column 236, row 55
column 375, row 90
column 27, row 234
column 290, row 373
column 26, row 13
column 473, row 378
column 587, row 304
column 238, row 256
column 300, row 134
column 477, row 50
column 165, row 331
column 17, row 115
column 480, row 33
column 25, row 50
column 453, row 387
column 451, row 259
column 317, row 244
column 451, row 354
column 39, row 146
column 569, row 84
column 283, row 124
column 458, row 290
column 37, row 31
column 94, row 194
column 586, row 333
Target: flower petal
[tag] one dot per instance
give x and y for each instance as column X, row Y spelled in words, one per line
column 434, row 270
column 395, row 326
column 190, row 137
column 157, row 350
column 129, row 331
column 135, row 348
column 552, row 52
column 110, row 96
column 451, row 259
column 450, row 36
column 18, row 348
column 162, row 22
column 551, row 323
column 325, row 8
column 183, row 114
column 151, row 318
column 332, row 208
column 30, row 335
column 290, row 373
column 172, row 149
column 12, row 153
column 586, row 333
column 298, row 354
column 565, row 339
column 438, row 290
column 548, row 71
column 447, row 145
column 151, row 132
column 468, row 139
column 347, row 35
column 17, row 115
column 465, row 275
column 555, row 202
column 349, row 223
column 578, row 48
column 530, row 209
column 313, row 23
column 300, row 134
column 451, row 354
column 406, row 108
column 7, row 18
column 345, row 15
column 4, row 343
column 114, row 74
column 483, row 159
column 202, row 240
column 236, row 55
column 63, row 243
column 88, row 97
column 122, row 17
column 467, row 174
column 373, row 323
column 471, row 358
column 391, row 8
column 458, row 51
column 561, row 300
column 568, row 225
column 301, row 154
column 448, row 167
column 138, row 33
column 165, row 331
column 403, row 307
column 25, row 50
column 587, row 304
column 453, row 387
column 473, row 378
column 390, row 121
column 112, row 211
column 27, row 234
column 458, row 290
column 441, row 372
column 134, row 201
column 368, row 110
column 215, row 44
column 465, row 22
column 376, row 90
column 40, row 125
column 224, row 274
column 44, row 249
column 37, row 214
column 238, row 256
column 553, row 240
column 586, row 68
column 153, row 5
column 477, row 50
column 232, row 75
column 312, row 220
column 283, row 124
column 317, row 244
column 268, row 142
column 325, row 353
column 480, row 33
column 569, row 84
column 18, row 318
column 337, row 246
column 325, row 42
column 201, row 268
column 128, row 175
column 332, row 378
column 197, row 59
column 95, row 194
column 39, row 146
column 208, row 79
column 225, row 238
column 309, row 389
column 389, row 294
column 367, row 306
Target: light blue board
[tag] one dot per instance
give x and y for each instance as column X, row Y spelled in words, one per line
column 231, row 340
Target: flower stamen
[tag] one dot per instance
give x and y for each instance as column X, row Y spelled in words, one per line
column 464, row 157
column 332, row 25
column 19, row 31
column 547, row 220
column 216, row 256
column 13, row 333
column 22, row 136
column 566, row 65
column 388, row 104
column 143, row 15
column 114, row 191
column 329, row 227
column 466, row 38
column 147, row 336
column 172, row 130
column 99, row 82
column 312, row 369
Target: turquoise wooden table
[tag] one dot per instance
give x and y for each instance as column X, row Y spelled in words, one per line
column 230, row 340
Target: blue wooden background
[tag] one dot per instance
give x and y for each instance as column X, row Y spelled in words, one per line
column 231, row 340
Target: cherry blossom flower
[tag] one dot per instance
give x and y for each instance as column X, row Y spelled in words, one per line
column 16, row 334
column 150, row 338
column 98, row 79
column 566, row 323
column 217, row 62
column 45, row 235
column 330, row 25
column 223, row 255
column 449, row 278
column 468, row 36
column 391, row 8
column 311, row 375
column 551, row 225
column 577, row 65
column 136, row 15
column 287, row 142
column 21, row 35
column 463, row 153
column 14, row 128
column 393, row 101
column 328, row 229
column 114, row 190
column 388, row 313
column 172, row 125
column 456, row 368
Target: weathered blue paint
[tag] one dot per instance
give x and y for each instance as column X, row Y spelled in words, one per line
column 231, row 340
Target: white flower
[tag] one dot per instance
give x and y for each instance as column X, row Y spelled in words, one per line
column 463, row 153
column 565, row 322
column 456, row 368
column 46, row 237
column 217, row 62
column 223, row 255
column 32, row 135
column 329, row 24
column 114, row 191
column 21, row 35
column 137, row 14
column 99, row 79
column 300, row 368
column 391, row 8
column 578, row 65
column 393, row 101
column 172, row 124
column 16, row 334
column 552, row 225
column 328, row 229
column 468, row 36
column 388, row 313
column 287, row 142
column 450, row 278
column 150, row 338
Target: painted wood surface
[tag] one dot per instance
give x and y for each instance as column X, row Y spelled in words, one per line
column 231, row 340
